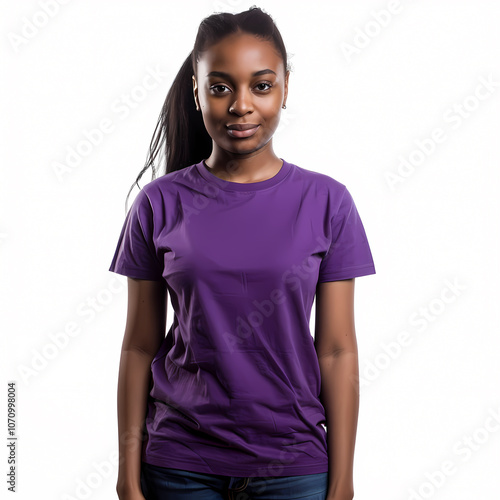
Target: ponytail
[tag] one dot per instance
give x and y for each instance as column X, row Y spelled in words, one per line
column 179, row 131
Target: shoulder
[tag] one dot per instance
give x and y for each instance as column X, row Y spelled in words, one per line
column 324, row 183
column 159, row 190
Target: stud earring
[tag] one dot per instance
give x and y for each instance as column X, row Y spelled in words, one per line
column 284, row 106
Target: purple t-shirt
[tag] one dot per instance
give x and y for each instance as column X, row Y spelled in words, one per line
column 236, row 382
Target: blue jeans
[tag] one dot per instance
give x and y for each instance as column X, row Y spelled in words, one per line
column 163, row 483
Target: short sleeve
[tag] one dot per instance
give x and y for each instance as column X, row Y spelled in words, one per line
column 135, row 255
column 349, row 254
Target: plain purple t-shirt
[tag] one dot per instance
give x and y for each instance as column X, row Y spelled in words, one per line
column 236, row 381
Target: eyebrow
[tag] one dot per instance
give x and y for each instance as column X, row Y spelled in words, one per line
column 221, row 74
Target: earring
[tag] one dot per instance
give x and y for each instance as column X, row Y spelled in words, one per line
column 284, row 106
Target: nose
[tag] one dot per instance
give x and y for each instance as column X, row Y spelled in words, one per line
column 242, row 103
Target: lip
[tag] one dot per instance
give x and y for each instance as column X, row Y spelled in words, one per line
column 242, row 126
column 242, row 130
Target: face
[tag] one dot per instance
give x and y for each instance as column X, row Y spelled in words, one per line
column 241, row 81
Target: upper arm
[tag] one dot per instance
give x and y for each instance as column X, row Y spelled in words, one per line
column 146, row 315
column 334, row 323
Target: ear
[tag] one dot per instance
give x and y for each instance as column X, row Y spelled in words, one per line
column 286, row 87
column 195, row 93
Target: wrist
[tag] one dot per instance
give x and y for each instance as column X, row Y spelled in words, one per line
column 340, row 492
column 340, row 496
column 127, row 487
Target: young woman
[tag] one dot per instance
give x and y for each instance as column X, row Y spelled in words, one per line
column 234, row 400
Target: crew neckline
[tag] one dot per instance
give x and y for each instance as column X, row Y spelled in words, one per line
column 243, row 186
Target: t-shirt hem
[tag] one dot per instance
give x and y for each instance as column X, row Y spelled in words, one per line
column 264, row 470
column 345, row 274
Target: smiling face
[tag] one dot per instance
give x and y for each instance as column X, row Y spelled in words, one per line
column 241, row 82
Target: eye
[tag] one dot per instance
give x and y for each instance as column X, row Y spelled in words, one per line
column 264, row 83
column 218, row 86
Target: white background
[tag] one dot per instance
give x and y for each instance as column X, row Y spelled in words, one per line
column 430, row 405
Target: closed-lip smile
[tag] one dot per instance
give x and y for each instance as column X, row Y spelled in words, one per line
column 242, row 130
column 242, row 126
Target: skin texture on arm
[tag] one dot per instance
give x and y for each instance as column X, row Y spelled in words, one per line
column 336, row 347
column 144, row 333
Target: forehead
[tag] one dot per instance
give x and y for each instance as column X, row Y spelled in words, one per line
column 240, row 53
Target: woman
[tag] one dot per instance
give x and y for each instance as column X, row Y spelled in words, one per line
column 236, row 397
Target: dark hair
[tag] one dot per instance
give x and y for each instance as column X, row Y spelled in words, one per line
column 180, row 130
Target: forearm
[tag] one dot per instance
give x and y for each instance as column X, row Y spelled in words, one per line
column 133, row 388
column 340, row 398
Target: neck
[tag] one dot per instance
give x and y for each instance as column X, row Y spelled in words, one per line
column 249, row 167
